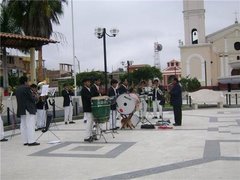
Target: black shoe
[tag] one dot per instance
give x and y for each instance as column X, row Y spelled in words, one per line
column 90, row 139
column 160, row 117
column 176, row 124
column 85, row 121
column 155, row 117
column 4, row 139
column 25, row 144
column 94, row 137
column 65, row 122
column 33, row 144
column 71, row 122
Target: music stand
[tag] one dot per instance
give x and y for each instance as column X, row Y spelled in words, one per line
column 47, row 129
column 142, row 119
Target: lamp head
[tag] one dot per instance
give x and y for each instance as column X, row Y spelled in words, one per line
column 99, row 32
column 114, row 31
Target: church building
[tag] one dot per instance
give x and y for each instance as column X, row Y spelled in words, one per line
column 213, row 59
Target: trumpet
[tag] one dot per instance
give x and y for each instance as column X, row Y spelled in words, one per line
column 42, row 83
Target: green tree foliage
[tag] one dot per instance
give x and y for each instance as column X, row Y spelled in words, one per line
column 35, row 18
column 144, row 73
column 7, row 23
column 190, row 84
column 91, row 75
column 13, row 80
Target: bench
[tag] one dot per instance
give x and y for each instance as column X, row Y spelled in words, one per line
column 206, row 96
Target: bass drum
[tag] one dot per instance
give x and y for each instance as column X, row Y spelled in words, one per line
column 125, row 104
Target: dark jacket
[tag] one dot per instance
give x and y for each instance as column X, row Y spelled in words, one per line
column 86, row 99
column 122, row 89
column 26, row 101
column 66, row 97
column 94, row 91
column 176, row 95
column 42, row 103
column 160, row 95
column 113, row 97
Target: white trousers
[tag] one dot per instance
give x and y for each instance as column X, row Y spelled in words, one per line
column 89, row 125
column 68, row 113
column 28, row 128
column 143, row 108
column 41, row 118
column 112, row 119
column 156, row 106
column 1, row 129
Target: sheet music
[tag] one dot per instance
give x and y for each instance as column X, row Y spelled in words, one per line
column 44, row 90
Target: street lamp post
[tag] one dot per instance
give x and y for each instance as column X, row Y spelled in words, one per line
column 101, row 33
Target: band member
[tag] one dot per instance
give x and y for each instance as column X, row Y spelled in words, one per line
column 176, row 102
column 157, row 98
column 42, row 107
column 67, row 94
column 26, row 110
column 123, row 88
column 143, row 94
column 95, row 88
column 87, row 109
column 112, row 93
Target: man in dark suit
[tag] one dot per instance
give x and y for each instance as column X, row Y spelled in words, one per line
column 95, row 88
column 176, row 102
column 26, row 110
column 112, row 93
column 123, row 88
column 67, row 94
column 87, row 109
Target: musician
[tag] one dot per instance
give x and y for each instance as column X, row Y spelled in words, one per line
column 26, row 110
column 67, row 94
column 95, row 88
column 87, row 109
column 112, row 93
column 176, row 102
column 123, row 88
column 143, row 97
column 157, row 98
column 42, row 107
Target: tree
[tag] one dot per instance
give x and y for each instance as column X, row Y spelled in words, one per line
column 144, row 73
column 190, row 84
column 7, row 25
column 35, row 18
column 91, row 75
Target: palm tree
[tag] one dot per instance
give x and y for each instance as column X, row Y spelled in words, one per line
column 7, row 25
column 35, row 18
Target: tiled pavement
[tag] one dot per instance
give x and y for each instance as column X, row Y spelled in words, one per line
column 207, row 146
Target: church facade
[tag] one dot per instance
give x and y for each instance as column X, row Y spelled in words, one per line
column 213, row 59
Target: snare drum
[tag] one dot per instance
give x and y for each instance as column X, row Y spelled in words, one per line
column 101, row 108
column 126, row 104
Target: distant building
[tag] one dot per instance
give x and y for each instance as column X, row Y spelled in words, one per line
column 173, row 70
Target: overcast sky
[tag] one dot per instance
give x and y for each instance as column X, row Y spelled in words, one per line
column 140, row 24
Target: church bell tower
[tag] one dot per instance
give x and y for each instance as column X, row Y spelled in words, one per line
column 194, row 22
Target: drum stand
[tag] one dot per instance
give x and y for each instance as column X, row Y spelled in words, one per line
column 126, row 121
column 142, row 119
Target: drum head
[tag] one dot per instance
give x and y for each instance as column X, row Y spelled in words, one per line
column 125, row 104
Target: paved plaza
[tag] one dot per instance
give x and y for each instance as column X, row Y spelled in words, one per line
column 206, row 146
